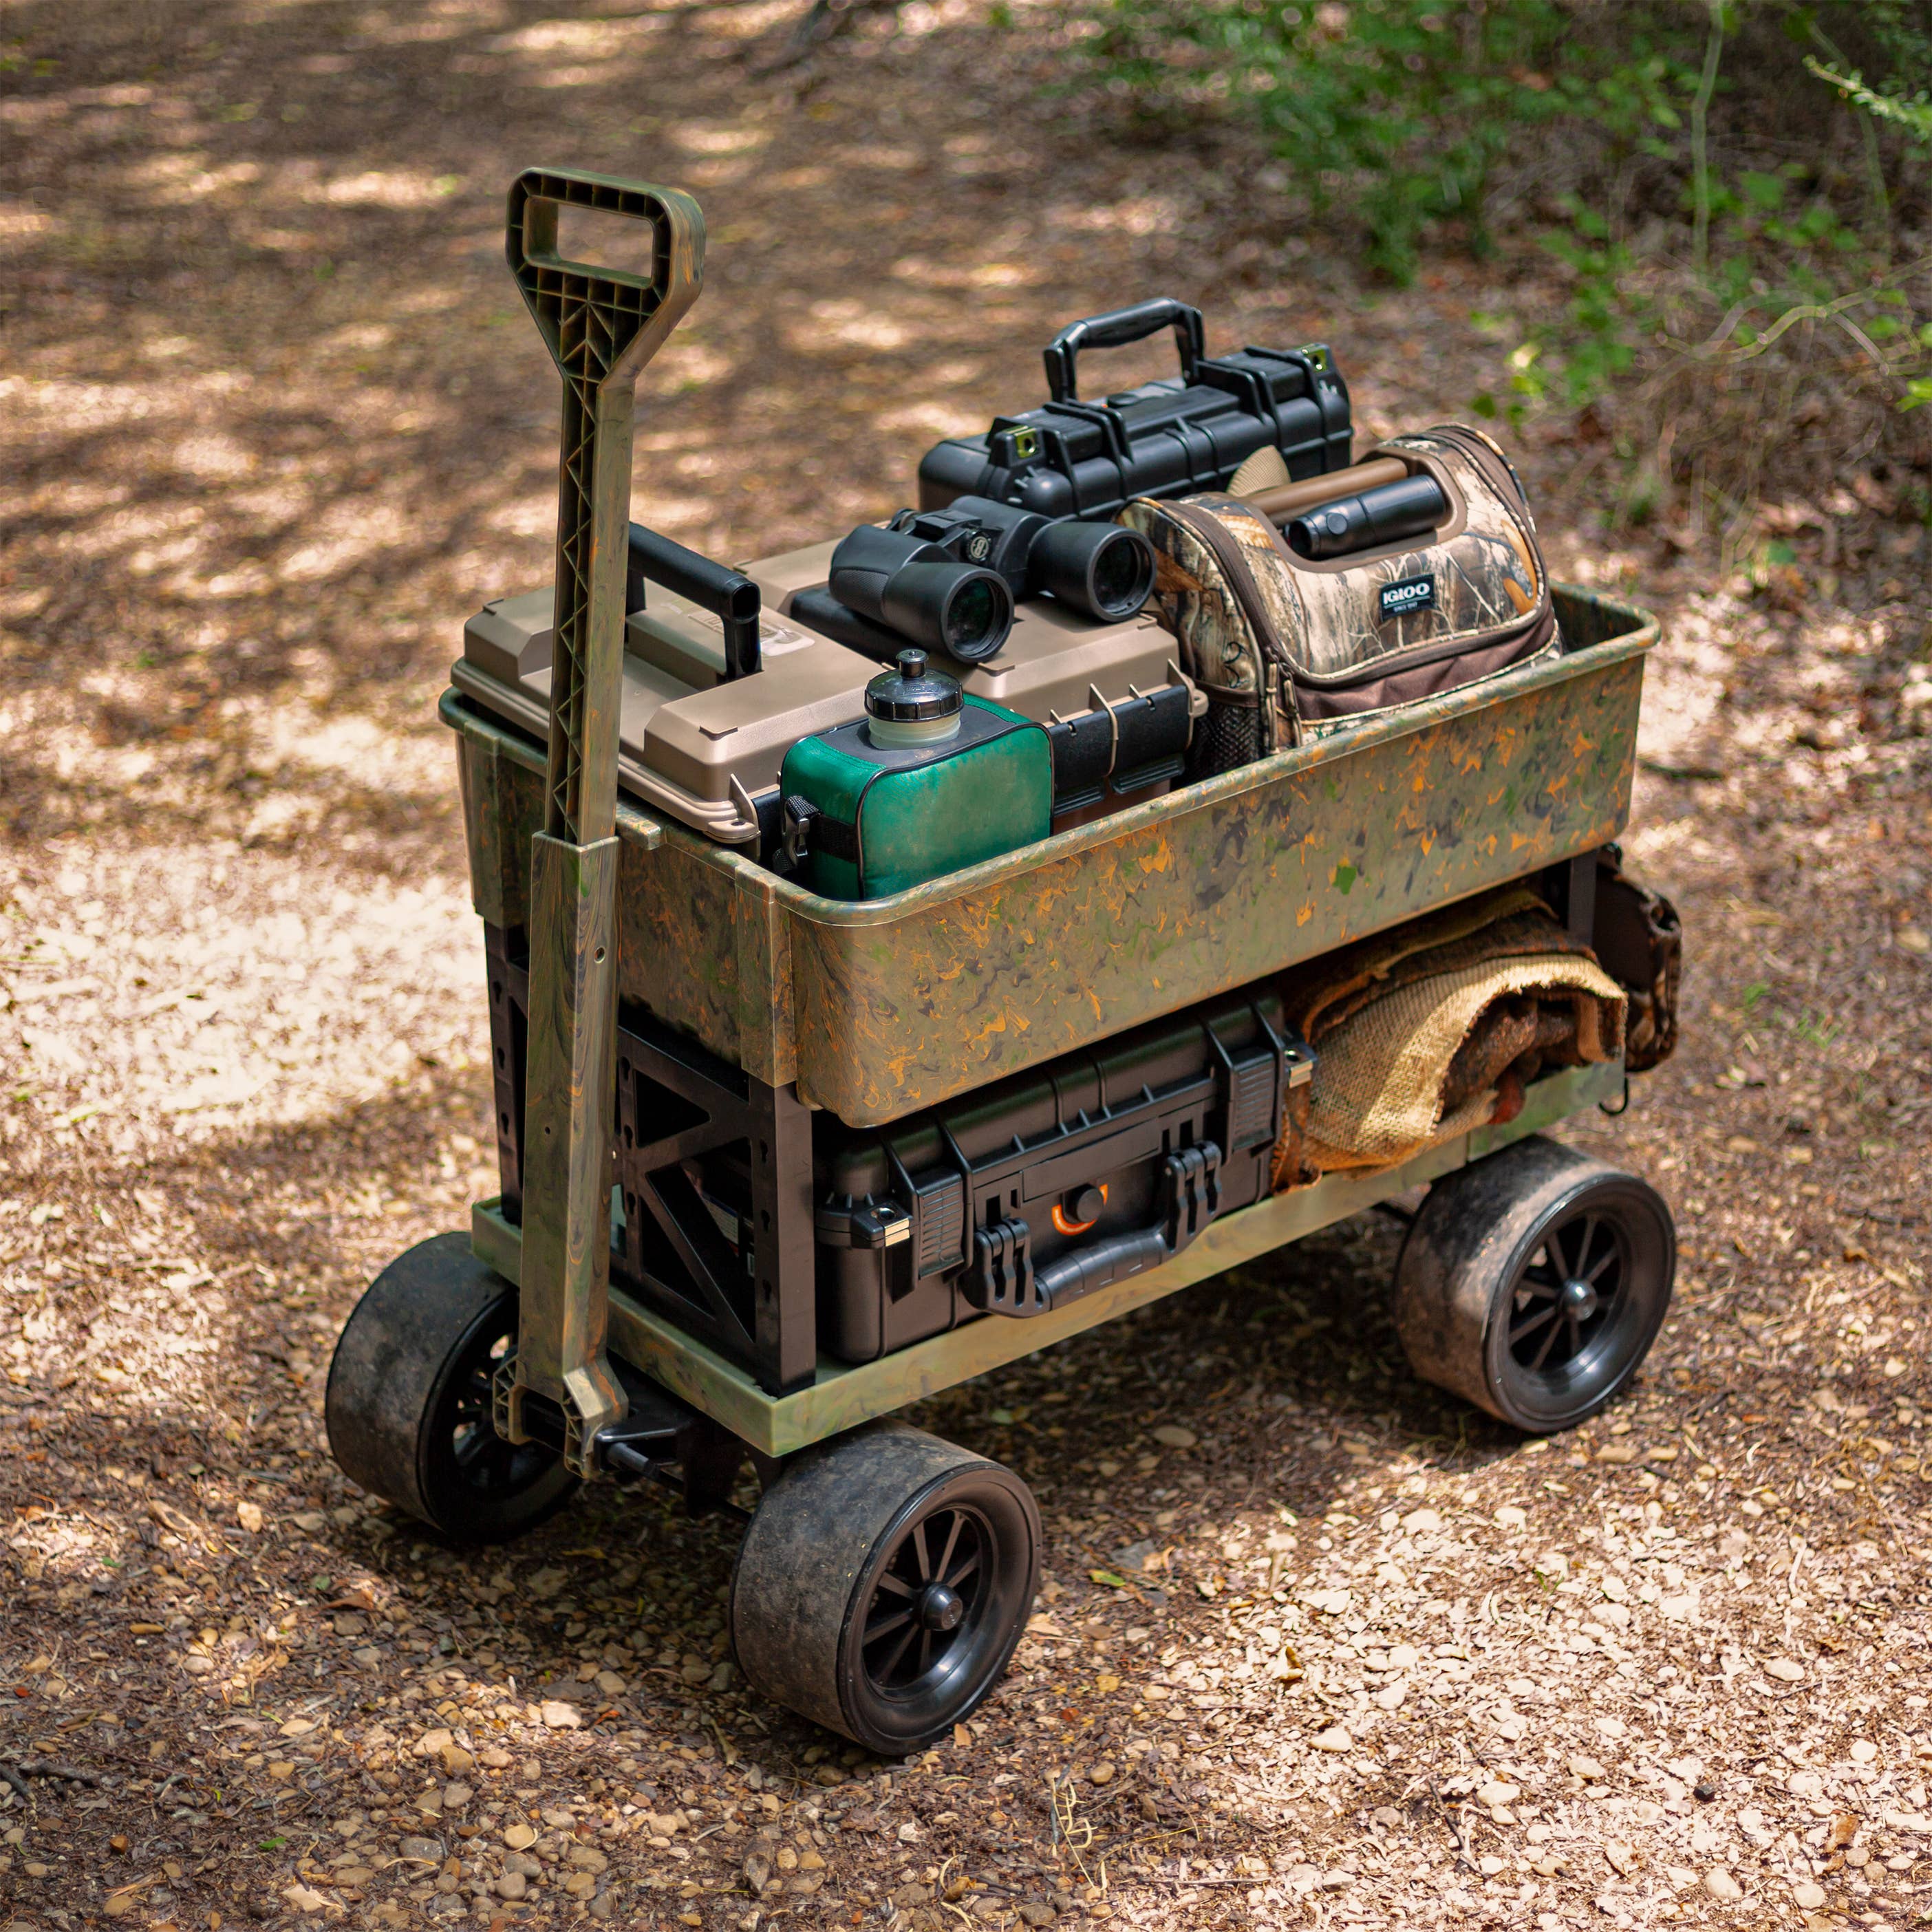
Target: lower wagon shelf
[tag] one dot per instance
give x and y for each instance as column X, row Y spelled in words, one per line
column 843, row 1394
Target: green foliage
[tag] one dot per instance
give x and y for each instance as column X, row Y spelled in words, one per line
column 1395, row 112
column 1727, row 186
column 1914, row 115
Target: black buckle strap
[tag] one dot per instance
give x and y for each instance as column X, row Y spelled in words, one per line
column 804, row 828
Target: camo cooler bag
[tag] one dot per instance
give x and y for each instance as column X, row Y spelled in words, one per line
column 1289, row 647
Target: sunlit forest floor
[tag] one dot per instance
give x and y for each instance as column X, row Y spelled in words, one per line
column 272, row 424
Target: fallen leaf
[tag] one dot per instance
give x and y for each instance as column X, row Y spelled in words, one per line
column 306, row 1898
column 1175, row 1436
column 1623, row 1859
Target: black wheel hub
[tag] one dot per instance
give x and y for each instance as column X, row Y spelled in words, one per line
column 481, row 1461
column 926, row 1601
column 1579, row 1300
column 940, row 1609
column 1567, row 1294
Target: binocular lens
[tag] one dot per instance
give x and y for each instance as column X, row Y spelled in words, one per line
column 972, row 614
column 1123, row 576
column 1100, row 569
column 914, row 587
column 957, row 608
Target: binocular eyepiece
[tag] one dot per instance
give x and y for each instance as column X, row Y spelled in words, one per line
column 949, row 579
column 921, row 590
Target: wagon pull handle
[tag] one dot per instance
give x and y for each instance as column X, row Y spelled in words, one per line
column 601, row 325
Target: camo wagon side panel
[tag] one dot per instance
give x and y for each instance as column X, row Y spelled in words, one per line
column 882, row 1008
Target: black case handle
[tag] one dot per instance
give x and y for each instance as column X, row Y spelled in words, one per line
column 730, row 596
column 1115, row 330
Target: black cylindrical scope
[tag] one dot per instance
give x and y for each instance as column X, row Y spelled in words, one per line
column 1386, row 514
column 927, row 596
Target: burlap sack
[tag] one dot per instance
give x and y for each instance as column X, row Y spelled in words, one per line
column 1378, row 1091
column 1422, row 1035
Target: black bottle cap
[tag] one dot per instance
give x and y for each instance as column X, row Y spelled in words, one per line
column 911, row 693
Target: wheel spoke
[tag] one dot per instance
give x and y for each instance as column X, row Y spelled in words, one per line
column 1548, row 1341
column 925, row 1651
column 897, row 1584
column 920, row 1555
column 1523, row 1329
column 951, row 1542
column 899, row 1649
column 1610, row 1254
column 1586, row 1242
column 885, row 1626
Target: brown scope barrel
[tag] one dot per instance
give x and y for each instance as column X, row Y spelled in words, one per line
column 1289, row 499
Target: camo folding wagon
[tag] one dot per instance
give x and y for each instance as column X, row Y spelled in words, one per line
column 1169, row 835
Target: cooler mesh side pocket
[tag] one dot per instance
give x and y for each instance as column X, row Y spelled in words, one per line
column 1228, row 736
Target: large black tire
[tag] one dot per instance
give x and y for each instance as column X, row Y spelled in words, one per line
column 883, row 1584
column 1534, row 1282
column 409, row 1401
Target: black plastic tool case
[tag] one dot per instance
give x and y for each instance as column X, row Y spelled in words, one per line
column 1168, row 438
column 1039, row 1189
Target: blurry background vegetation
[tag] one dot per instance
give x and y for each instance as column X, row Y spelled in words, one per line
column 1733, row 199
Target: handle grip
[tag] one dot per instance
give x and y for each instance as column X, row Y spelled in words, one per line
column 730, row 597
column 1115, row 330
column 601, row 325
column 1101, row 1262
column 600, row 322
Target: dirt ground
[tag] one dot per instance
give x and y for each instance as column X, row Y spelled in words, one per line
column 271, row 424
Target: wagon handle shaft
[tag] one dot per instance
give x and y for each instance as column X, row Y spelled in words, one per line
column 601, row 325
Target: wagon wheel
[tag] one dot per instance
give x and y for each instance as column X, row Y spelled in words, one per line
column 883, row 1583
column 409, row 1401
column 1533, row 1283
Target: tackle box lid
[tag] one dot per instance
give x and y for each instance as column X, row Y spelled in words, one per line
column 685, row 734
column 1054, row 659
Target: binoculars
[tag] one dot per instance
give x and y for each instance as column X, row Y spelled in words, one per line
column 949, row 579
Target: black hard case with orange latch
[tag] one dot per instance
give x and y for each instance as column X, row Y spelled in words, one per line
column 1098, row 1166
